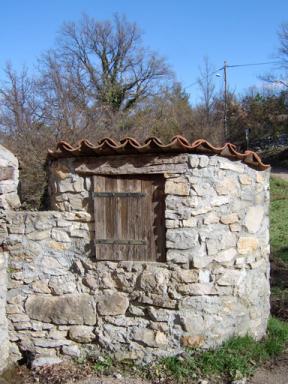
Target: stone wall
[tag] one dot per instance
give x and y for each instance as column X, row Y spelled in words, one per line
column 9, row 175
column 215, row 283
column 8, row 200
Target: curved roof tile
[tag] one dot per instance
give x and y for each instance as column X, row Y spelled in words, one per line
column 129, row 145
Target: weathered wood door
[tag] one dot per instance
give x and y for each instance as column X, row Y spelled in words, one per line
column 129, row 217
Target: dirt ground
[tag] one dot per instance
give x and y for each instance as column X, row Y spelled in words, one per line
column 273, row 372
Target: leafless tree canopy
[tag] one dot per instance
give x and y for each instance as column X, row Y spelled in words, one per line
column 283, row 40
column 98, row 69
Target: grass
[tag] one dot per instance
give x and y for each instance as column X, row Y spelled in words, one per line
column 235, row 359
column 103, row 365
column 279, row 219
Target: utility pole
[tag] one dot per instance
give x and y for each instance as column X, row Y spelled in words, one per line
column 225, row 101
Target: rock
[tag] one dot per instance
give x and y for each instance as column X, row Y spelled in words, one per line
column 71, row 350
column 181, row 238
column 178, row 256
column 61, row 236
column 232, row 277
column 193, row 161
column 240, row 381
column 200, row 211
column 150, row 337
column 197, row 289
column 203, row 161
column 253, row 218
column 177, row 188
column 38, row 235
column 112, row 304
column 154, row 281
column 187, row 275
column 58, row 246
column 259, row 177
column 204, row 276
column 41, row 286
column 227, row 186
column 192, row 323
column 229, row 219
column 212, row 218
column 46, row 360
column 91, row 282
column 56, row 334
column 226, row 256
column 53, row 266
column 192, row 341
column 247, row 244
column 81, row 334
column 235, row 227
column 50, row 343
column 60, row 285
column 227, row 164
column 189, row 223
column 245, row 179
column 68, row 309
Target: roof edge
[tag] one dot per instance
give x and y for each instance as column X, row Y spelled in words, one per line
column 178, row 144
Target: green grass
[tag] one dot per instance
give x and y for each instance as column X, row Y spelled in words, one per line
column 279, row 219
column 103, row 365
column 236, row 358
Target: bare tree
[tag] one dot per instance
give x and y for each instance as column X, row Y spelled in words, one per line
column 23, row 131
column 283, row 40
column 207, row 88
column 99, row 69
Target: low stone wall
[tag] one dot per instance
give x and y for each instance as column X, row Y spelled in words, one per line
column 8, row 200
column 214, row 284
column 9, row 174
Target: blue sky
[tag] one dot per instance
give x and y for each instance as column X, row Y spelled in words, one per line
column 182, row 31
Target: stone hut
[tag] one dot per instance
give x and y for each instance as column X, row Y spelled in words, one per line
column 147, row 249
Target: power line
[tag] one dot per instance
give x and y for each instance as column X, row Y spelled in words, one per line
column 250, row 64
column 235, row 66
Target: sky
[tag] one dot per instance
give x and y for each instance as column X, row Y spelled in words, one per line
column 182, row 31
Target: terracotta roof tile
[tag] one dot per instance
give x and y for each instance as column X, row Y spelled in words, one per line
column 129, row 145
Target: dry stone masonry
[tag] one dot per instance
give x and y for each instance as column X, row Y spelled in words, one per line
column 62, row 302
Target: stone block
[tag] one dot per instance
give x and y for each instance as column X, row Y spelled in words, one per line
column 189, row 341
column 112, row 304
column 228, row 186
column 245, row 179
column 247, row 245
column 154, row 281
column 187, row 275
column 81, row 334
column 60, row 285
column 150, row 337
column 68, row 309
column 60, row 236
column 172, row 187
column 181, row 238
column 229, row 219
column 71, row 350
column 253, row 218
column 46, row 360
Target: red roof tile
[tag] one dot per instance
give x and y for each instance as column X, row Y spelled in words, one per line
column 129, row 145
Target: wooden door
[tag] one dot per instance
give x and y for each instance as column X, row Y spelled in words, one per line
column 129, row 218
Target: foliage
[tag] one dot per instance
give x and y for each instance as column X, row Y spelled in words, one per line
column 278, row 218
column 103, row 365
